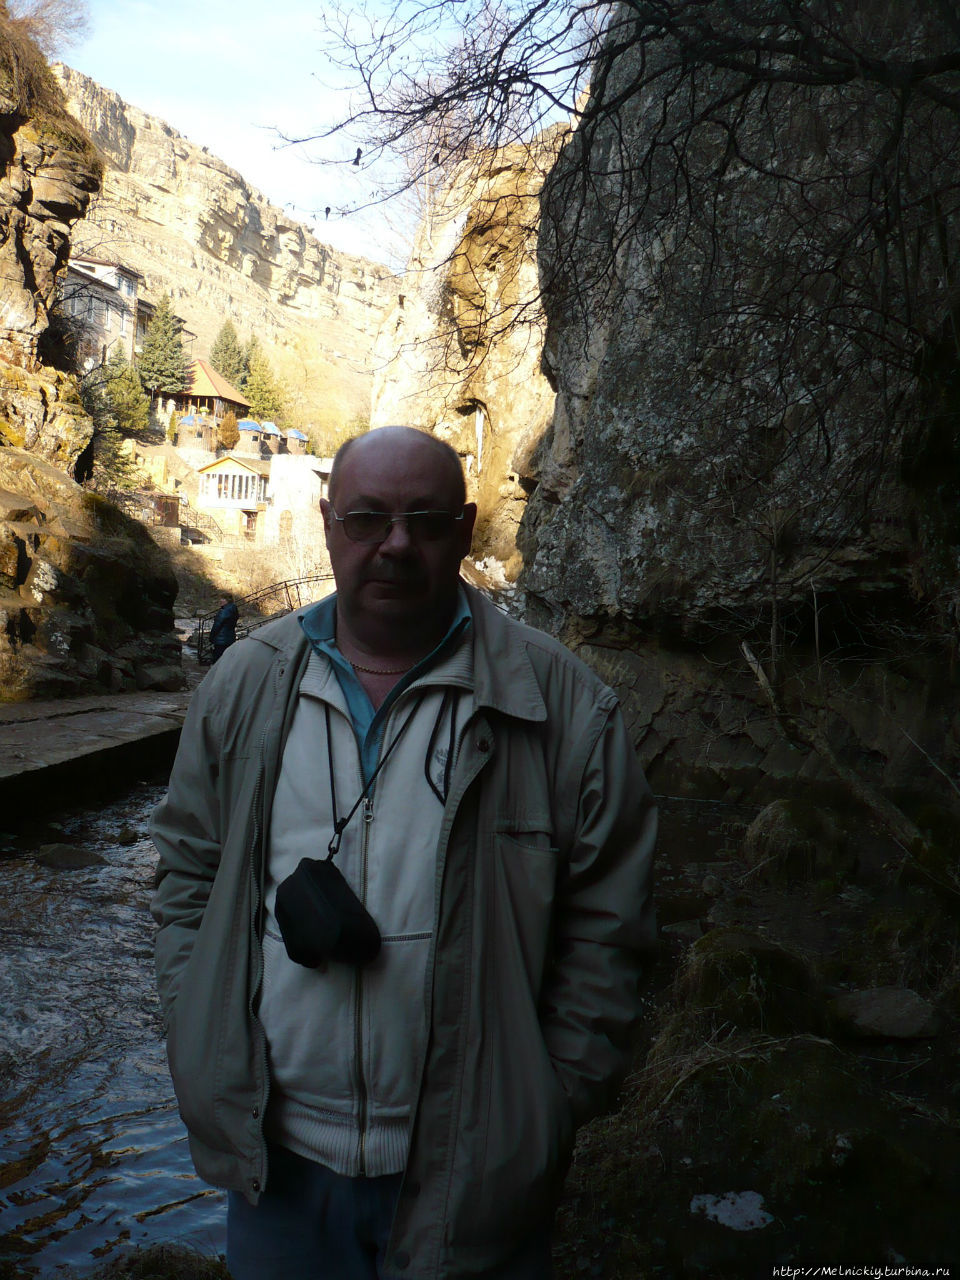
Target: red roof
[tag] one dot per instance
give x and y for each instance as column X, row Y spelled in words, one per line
column 207, row 382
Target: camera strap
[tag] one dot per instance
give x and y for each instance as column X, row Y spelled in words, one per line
column 340, row 824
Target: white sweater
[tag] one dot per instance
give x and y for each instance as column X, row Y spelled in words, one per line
column 346, row 1045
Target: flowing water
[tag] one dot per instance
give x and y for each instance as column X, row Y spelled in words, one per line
column 93, row 1157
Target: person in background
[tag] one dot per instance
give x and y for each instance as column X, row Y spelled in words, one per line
column 223, row 629
column 404, row 900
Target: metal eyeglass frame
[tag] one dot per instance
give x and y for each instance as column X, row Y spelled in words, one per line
column 391, row 517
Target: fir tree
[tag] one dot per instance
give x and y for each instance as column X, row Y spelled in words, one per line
column 250, row 351
column 123, row 392
column 264, row 389
column 163, row 361
column 173, row 426
column 227, row 356
column 107, row 466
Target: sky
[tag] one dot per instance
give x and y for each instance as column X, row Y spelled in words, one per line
column 230, row 74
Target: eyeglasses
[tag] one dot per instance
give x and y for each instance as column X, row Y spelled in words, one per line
column 375, row 526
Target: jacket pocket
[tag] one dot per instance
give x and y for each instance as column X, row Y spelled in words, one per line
column 394, row 1024
column 508, row 1183
column 523, row 878
column 308, row 1016
column 195, row 1054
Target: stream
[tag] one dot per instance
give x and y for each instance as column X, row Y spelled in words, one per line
column 93, row 1157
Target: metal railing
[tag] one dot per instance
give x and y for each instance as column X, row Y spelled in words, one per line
column 191, row 518
column 269, row 602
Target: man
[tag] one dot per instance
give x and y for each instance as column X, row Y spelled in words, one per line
column 403, row 896
column 223, row 630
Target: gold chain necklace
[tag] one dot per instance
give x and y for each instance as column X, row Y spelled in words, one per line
column 381, row 671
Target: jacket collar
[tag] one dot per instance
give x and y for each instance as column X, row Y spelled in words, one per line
column 504, row 678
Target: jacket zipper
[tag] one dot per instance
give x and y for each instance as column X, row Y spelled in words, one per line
column 358, row 1048
column 258, row 859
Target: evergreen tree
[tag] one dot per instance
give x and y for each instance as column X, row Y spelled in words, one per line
column 249, row 352
column 124, row 395
column 227, row 356
column 173, row 426
column 229, row 433
column 107, row 466
column 163, row 361
column 264, row 389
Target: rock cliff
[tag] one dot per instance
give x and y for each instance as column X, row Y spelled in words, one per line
column 48, row 171
column 751, row 389
column 460, row 353
column 85, row 596
column 740, row 446
column 197, row 230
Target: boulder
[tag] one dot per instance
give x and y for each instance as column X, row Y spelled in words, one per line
column 793, row 841
column 891, row 1013
column 67, row 857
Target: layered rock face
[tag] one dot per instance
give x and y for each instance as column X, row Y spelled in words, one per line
column 85, row 596
column 460, row 354
column 737, row 377
column 197, row 230
column 740, row 446
column 742, row 423
column 48, row 171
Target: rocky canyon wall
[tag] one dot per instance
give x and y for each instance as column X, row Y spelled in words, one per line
column 85, row 596
column 742, row 445
column 719, row 414
column 197, row 230
column 460, row 353
column 48, row 172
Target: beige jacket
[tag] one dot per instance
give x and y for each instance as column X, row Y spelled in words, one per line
column 543, row 914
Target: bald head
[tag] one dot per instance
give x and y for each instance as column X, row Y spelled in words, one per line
column 400, row 439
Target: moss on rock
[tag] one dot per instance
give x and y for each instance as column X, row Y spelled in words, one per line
column 793, row 840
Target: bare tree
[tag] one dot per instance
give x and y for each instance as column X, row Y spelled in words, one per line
column 767, row 190
column 784, row 172
column 52, row 24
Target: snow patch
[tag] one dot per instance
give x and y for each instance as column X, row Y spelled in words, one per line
column 739, row 1210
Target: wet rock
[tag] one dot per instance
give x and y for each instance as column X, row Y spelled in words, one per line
column 127, row 835
column 67, row 857
column 894, row 1013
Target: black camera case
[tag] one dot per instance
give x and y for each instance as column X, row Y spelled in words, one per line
column 321, row 918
